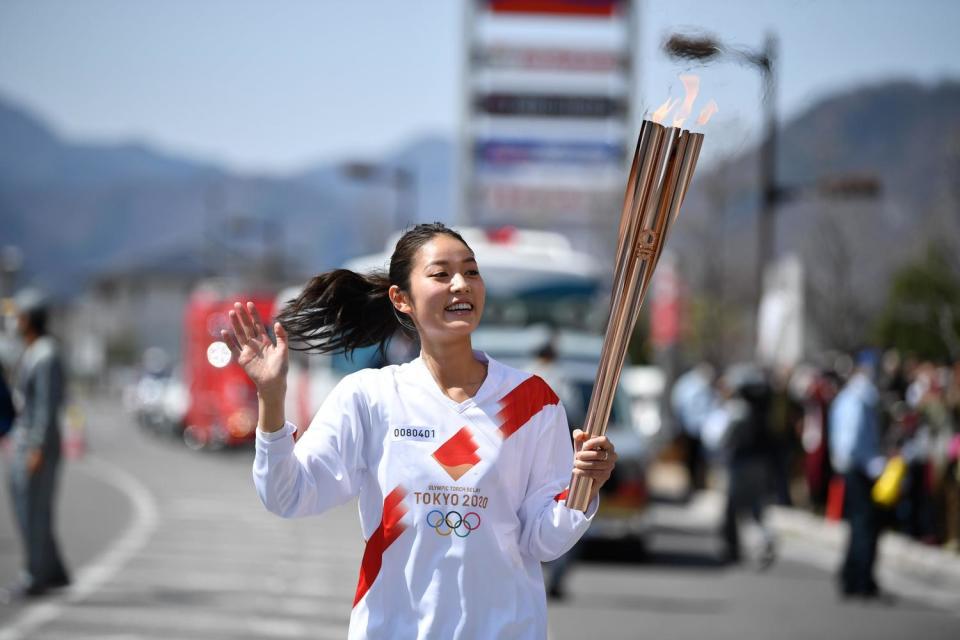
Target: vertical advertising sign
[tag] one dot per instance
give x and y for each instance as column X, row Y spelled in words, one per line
column 548, row 93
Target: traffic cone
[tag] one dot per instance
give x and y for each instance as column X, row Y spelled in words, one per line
column 75, row 438
column 835, row 499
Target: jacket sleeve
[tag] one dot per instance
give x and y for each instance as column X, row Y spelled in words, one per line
column 43, row 413
column 324, row 468
column 548, row 528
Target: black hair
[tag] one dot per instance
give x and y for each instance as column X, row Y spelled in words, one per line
column 341, row 310
column 37, row 320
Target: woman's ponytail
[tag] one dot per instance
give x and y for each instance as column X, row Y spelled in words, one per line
column 341, row 310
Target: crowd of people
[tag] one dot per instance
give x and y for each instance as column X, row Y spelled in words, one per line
column 821, row 437
column 918, row 419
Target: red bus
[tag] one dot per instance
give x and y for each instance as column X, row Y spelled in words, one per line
column 222, row 405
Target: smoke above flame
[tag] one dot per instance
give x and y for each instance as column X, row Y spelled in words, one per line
column 691, row 87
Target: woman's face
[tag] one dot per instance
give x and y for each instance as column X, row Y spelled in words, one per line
column 446, row 293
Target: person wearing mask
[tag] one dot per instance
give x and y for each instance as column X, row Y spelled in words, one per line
column 855, row 452
column 459, row 462
column 38, row 393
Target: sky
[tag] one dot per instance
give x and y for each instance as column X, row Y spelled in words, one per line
column 276, row 86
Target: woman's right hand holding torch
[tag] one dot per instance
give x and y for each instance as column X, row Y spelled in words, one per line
column 263, row 361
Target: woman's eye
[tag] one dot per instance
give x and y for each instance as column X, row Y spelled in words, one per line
column 473, row 272
column 439, row 274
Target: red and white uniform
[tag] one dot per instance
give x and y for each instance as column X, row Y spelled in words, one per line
column 459, row 502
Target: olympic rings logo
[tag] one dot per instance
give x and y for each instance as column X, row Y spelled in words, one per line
column 453, row 522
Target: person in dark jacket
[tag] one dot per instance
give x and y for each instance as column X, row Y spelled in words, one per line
column 38, row 391
column 738, row 429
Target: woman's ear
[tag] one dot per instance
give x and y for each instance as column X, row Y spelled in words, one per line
column 399, row 299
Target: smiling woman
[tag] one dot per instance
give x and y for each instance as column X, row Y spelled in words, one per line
column 460, row 463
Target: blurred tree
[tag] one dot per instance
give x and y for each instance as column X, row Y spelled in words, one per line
column 922, row 313
column 838, row 310
column 713, row 326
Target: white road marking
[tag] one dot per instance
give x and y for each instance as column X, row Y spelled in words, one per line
column 179, row 621
column 107, row 564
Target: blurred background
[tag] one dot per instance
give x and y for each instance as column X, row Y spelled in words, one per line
column 160, row 160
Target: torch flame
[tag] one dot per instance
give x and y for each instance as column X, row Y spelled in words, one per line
column 661, row 113
column 691, row 85
column 707, row 112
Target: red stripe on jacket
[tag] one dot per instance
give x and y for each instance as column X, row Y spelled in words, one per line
column 524, row 402
column 389, row 530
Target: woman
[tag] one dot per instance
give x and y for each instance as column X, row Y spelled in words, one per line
column 459, row 462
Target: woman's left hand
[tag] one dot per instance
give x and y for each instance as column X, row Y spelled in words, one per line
column 594, row 459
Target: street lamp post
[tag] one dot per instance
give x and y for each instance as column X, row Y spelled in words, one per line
column 704, row 49
column 772, row 192
column 399, row 179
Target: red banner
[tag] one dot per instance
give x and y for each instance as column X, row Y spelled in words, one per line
column 563, row 7
column 665, row 306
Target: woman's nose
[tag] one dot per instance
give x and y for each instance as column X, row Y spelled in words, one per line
column 459, row 283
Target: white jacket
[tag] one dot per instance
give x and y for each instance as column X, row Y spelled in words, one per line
column 459, row 502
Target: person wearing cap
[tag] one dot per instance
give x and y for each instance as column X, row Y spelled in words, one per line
column 854, row 435
column 38, row 397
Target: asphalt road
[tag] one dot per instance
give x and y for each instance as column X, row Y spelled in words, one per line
column 170, row 543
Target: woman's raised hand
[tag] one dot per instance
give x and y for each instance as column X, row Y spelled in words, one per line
column 262, row 360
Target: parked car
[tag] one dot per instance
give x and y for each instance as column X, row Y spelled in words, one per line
column 571, row 374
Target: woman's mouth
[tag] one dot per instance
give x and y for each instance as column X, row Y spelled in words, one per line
column 459, row 308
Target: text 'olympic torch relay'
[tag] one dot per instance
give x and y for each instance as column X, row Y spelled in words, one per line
column 660, row 175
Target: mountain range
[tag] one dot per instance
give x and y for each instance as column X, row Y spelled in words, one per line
column 78, row 209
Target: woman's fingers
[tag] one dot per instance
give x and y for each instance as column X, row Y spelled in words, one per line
column 256, row 323
column 601, row 476
column 592, row 448
column 231, row 341
column 598, row 443
column 247, row 321
column 281, row 334
column 600, row 455
column 579, row 437
column 236, row 321
column 600, row 463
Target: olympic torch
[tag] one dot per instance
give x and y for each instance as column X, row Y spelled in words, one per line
column 662, row 168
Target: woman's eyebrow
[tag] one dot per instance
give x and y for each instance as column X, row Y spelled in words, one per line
column 435, row 263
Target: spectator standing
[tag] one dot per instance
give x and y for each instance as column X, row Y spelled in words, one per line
column 738, row 429
column 38, row 397
column 692, row 400
column 785, row 420
column 952, row 474
column 820, row 393
column 855, row 452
